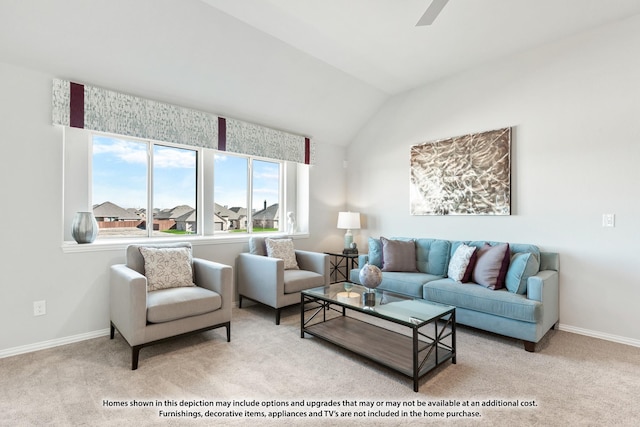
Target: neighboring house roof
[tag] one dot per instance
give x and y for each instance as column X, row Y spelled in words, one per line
column 187, row 216
column 225, row 212
column 173, row 213
column 240, row 211
column 269, row 213
column 111, row 210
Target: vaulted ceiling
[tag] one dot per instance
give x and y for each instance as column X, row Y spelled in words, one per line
column 317, row 68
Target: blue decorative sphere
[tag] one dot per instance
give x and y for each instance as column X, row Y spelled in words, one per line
column 370, row 276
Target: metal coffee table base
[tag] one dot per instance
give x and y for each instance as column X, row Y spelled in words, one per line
column 412, row 355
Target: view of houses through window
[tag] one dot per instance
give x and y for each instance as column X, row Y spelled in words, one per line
column 129, row 176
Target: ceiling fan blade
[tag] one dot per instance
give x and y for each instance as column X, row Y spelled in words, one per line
column 432, row 12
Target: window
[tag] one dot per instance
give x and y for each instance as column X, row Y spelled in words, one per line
column 265, row 190
column 122, row 178
column 149, row 189
column 232, row 194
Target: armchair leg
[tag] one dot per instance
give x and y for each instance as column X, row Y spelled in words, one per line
column 113, row 331
column 277, row 316
column 228, row 325
column 239, row 301
column 135, row 354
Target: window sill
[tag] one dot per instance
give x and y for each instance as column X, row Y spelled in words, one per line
column 121, row 244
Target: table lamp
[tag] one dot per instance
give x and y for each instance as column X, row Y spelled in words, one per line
column 348, row 221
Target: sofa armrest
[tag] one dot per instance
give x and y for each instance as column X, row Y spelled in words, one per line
column 544, row 287
column 260, row 278
column 314, row 261
column 128, row 302
column 216, row 277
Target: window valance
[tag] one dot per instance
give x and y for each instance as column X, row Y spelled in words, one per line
column 93, row 108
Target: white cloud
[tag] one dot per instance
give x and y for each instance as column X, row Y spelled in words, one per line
column 127, row 151
column 136, row 152
column 166, row 157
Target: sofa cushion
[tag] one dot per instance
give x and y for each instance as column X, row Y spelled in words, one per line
column 522, row 266
column 462, row 263
column 398, row 255
column 282, row 249
column 167, row 267
column 433, row 256
column 491, row 265
column 478, row 298
column 165, row 305
column 299, row 280
column 406, row 283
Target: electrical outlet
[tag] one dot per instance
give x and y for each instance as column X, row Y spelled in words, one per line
column 39, row 308
column 608, row 220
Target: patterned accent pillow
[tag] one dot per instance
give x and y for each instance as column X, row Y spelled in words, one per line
column 282, row 249
column 462, row 263
column 167, row 267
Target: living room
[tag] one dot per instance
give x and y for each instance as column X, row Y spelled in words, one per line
column 571, row 100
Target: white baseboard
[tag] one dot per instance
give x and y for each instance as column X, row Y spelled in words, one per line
column 52, row 343
column 104, row 332
column 600, row 335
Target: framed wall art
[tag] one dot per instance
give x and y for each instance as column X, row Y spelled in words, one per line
column 463, row 175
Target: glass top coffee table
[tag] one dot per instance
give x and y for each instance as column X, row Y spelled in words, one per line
column 409, row 335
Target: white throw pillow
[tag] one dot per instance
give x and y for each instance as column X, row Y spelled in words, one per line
column 167, row 267
column 284, row 250
column 460, row 261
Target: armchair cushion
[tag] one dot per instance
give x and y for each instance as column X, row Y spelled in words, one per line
column 299, row 280
column 167, row 267
column 282, row 249
column 165, row 305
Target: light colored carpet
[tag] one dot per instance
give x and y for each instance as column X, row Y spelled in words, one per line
column 574, row 380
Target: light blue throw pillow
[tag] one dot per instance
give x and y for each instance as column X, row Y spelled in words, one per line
column 375, row 252
column 523, row 265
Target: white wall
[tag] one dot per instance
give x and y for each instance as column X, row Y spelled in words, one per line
column 575, row 110
column 75, row 285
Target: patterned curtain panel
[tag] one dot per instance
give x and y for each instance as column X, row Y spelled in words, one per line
column 102, row 110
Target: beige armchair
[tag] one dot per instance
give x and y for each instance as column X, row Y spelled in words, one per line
column 148, row 316
column 266, row 280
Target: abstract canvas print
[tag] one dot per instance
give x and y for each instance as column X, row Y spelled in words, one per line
column 463, row 175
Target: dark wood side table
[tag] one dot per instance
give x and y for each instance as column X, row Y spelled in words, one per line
column 340, row 266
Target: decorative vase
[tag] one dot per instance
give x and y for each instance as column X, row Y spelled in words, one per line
column 84, row 228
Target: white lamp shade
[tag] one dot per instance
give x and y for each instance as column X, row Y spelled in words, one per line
column 349, row 220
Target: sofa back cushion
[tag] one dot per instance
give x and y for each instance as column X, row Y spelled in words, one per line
column 432, row 255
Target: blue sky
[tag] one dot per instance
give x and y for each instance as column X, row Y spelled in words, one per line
column 120, row 176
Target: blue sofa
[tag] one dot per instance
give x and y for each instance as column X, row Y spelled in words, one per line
column 526, row 311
